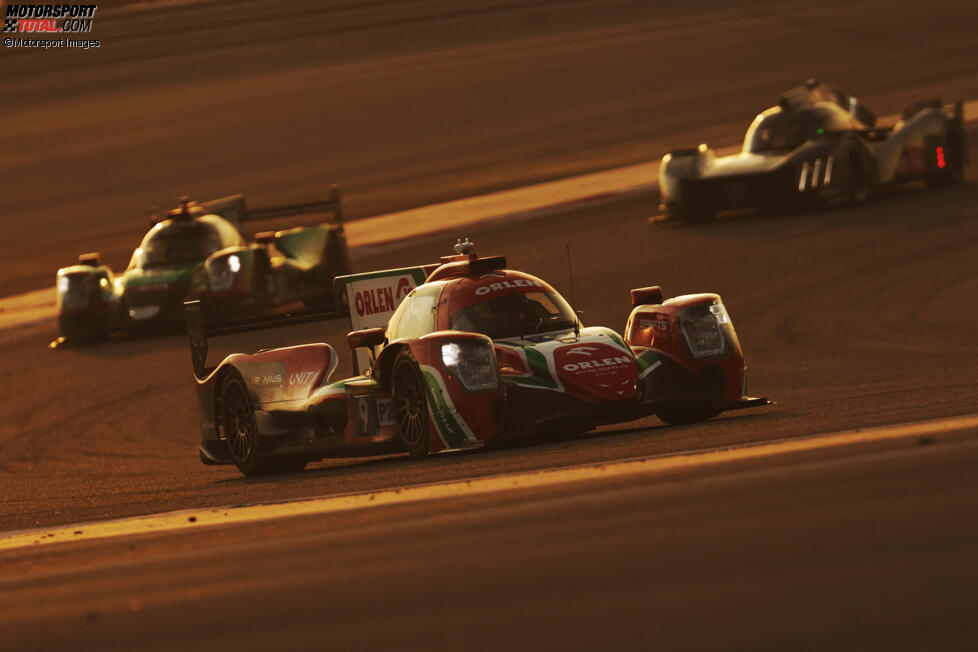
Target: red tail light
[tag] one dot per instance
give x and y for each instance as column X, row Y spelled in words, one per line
column 940, row 158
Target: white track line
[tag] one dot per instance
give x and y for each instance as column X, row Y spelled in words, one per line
column 533, row 201
column 216, row 516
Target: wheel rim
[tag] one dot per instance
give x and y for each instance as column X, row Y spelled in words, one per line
column 409, row 405
column 239, row 421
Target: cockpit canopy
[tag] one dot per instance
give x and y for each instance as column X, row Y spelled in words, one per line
column 502, row 304
column 184, row 242
column 783, row 129
column 515, row 314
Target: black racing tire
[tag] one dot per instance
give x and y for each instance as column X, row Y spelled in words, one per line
column 83, row 330
column 677, row 211
column 410, row 405
column 954, row 153
column 681, row 415
column 856, row 182
column 241, row 431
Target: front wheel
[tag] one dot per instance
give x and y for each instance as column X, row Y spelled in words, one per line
column 681, row 415
column 410, row 405
column 677, row 211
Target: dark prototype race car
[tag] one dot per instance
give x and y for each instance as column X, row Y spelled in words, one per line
column 817, row 146
column 473, row 353
column 197, row 251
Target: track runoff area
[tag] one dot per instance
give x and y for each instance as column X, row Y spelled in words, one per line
column 539, row 200
column 711, row 460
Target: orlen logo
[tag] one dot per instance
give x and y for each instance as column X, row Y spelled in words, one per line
column 383, row 299
column 595, row 365
column 504, row 285
column 404, row 288
column 596, row 371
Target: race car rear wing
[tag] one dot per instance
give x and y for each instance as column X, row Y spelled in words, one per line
column 234, row 210
column 197, row 333
column 373, row 297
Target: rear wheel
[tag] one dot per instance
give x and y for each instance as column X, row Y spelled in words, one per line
column 677, row 211
column 241, row 432
column 857, row 178
column 410, row 405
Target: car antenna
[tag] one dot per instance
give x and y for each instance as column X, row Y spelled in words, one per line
column 570, row 274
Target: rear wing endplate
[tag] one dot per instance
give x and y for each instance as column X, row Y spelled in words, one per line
column 374, row 296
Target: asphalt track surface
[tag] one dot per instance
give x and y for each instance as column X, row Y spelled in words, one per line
column 849, row 318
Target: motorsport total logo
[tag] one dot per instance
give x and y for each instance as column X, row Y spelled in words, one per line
column 22, row 23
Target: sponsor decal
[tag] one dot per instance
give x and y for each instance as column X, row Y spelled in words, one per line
column 375, row 300
column 657, row 324
column 374, row 296
column 582, row 350
column 380, row 296
column 267, row 379
column 49, row 19
column 597, row 370
column 372, row 414
column 385, row 411
column 301, row 377
column 499, row 286
column 590, row 366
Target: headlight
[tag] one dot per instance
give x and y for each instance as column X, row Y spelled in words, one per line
column 73, row 291
column 222, row 272
column 472, row 363
column 706, row 329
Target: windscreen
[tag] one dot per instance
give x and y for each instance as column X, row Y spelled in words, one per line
column 516, row 314
column 785, row 130
column 180, row 244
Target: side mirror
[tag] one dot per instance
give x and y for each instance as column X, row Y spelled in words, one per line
column 265, row 237
column 89, row 259
column 368, row 337
column 642, row 296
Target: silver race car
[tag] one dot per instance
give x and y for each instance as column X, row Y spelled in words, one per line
column 818, row 146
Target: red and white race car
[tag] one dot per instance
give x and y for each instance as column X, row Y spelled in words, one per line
column 454, row 356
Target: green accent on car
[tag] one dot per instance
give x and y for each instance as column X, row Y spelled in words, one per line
column 443, row 413
column 616, row 338
column 646, row 359
column 181, row 275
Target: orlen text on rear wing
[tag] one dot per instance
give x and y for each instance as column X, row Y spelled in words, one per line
column 373, row 297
